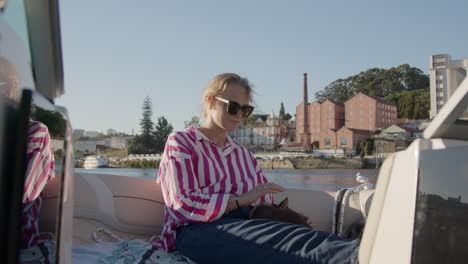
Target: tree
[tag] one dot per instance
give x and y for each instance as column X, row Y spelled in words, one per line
column 375, row 82
column 195, row 120
column 412, row 104
column 281, row 111
column 253, row 117
column 146, row 124
column 162, row 131
column 144, row 143
column 287, row 116
column 54, row 121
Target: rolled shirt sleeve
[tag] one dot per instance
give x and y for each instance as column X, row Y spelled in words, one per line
column 40, row 161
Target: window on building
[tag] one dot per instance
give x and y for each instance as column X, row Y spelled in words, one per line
column 344, row 141
column 327, row 142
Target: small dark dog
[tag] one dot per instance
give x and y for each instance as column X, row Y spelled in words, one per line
column 279, row 212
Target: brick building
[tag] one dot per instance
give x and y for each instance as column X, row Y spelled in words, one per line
column 369, row 113
column 335, row 125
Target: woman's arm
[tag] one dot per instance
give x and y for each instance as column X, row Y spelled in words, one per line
column 40, row 161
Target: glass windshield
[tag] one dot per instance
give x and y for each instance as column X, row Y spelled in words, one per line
column 464, row 116
column 14, row 43
column 442, row 207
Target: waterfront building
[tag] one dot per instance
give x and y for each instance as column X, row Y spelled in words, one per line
column 264, row 135
column 336, row 125
column 91, row 133
column 445, row 76
column 365, row 112
column 95, row 144
column 117, row 142
column 78, row 132
column 325, row 116
column 90, row 144
column 401, row 132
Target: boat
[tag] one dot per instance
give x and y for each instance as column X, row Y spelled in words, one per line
column 93, row 162
column 417, row 212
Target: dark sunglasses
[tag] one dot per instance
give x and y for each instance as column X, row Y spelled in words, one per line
column 233, row 107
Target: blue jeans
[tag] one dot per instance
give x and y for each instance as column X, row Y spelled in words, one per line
column 238, row 240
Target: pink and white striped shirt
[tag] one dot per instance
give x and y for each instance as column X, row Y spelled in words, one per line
column 197, row 178
column 39, row 171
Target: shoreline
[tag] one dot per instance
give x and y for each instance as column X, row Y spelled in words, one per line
column 315, row 163
column 284, row 163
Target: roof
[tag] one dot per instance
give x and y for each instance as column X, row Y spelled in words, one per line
column 380, row 99
column 334, row 102
column 373, row 97
column 407, row 129
column 359, row 131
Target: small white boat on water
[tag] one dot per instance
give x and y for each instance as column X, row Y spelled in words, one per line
column 93, row 162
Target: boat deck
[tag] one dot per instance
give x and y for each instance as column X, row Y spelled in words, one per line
column 86, row 250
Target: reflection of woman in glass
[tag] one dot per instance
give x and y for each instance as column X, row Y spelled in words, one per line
column 40, row 160
column 209, row 183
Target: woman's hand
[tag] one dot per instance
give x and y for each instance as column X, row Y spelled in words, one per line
column 258, row 191
column 309, row 222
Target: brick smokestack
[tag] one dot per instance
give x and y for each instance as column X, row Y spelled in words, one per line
column 306, row 106
column 305, row 134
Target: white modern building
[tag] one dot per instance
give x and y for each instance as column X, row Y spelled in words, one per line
column 90, row 145
column 93, row 144
column 445, row 76
column 78, row 132
column 117, row 142
column 91, row 133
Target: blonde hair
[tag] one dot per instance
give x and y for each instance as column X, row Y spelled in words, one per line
column 219, row 84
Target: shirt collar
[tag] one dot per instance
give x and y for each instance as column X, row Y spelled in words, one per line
column 199, row 136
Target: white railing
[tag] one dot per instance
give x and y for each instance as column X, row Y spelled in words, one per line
column 144, row 157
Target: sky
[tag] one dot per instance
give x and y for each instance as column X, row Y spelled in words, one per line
column 117, row 52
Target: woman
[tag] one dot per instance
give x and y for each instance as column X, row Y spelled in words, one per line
column 210, row 183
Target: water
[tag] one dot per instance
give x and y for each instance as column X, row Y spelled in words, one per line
column 313, row 179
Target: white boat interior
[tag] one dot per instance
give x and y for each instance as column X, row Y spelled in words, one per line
column 132, row 208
